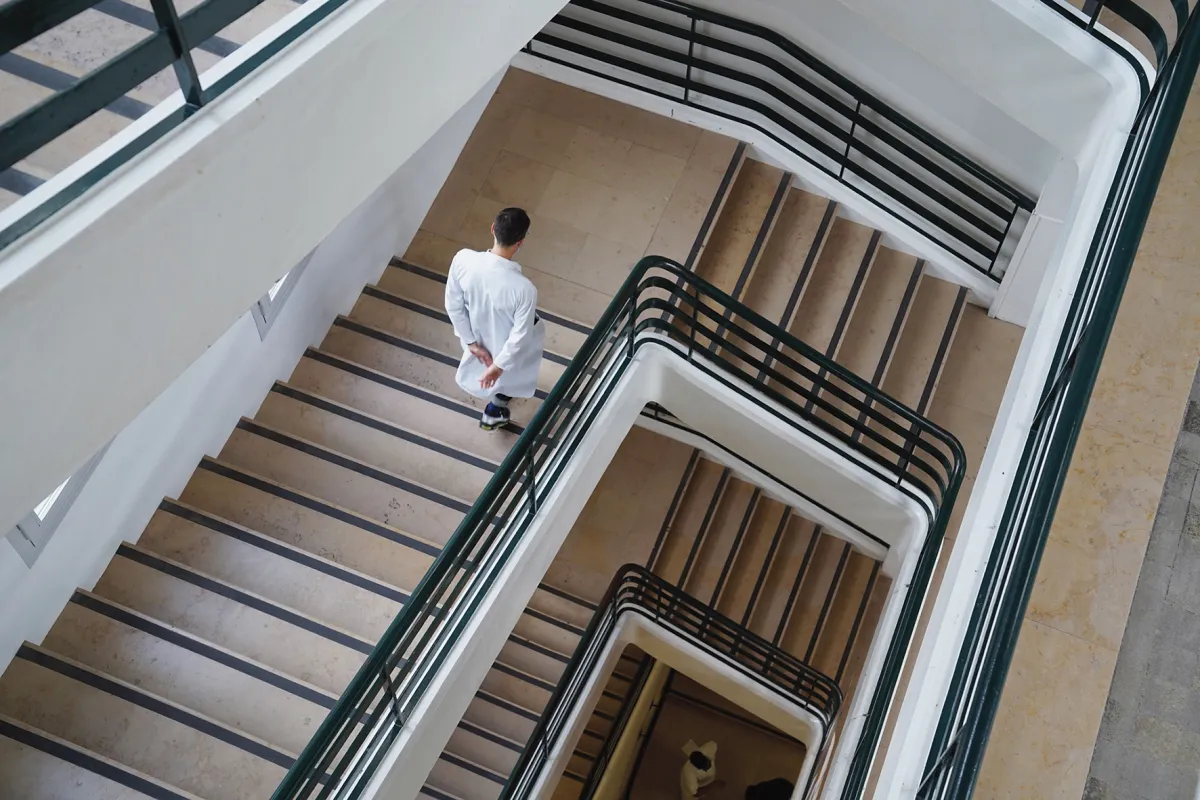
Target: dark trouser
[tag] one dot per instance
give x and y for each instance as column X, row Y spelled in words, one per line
column 501, row 399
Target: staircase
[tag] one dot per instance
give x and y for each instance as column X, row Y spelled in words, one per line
column 215, row 642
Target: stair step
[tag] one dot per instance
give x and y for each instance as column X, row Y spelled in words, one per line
column 422, row 367
column 739, row 595
column 836, row 283
column 274, row 635
column 481, row 746
column 402, row 451
column 369, row 491
column 464, row 778
column 835, row 640
column 504, row 717
column 788, row 560
column 312, row 525
column 126, row 724
column 545, row 630
column 534, row 659
column 563, row 606
column 290, row 576
column 518, row 687
column 196, row 674
column 446, row 418
column 725, row 532
column 747, row 216
column 790, row 256
column 35, row 765
column 702, row 487
column 818, row 591
column 917, row 351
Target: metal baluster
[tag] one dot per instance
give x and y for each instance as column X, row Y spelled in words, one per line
column 532, row 482
column 687, row 77
column 1092, row 8
column 694, row 321
column 850, row 139
column 185, row 69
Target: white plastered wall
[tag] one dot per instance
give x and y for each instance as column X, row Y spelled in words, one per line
column 113, row 298
column 155, row 454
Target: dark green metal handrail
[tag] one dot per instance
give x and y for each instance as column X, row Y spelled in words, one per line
column 659, row 304
column 636, row 590
column 956, row 753
column 847, row 132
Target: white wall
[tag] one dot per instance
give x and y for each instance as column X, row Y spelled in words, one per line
column 105, row 306
column 156, row 453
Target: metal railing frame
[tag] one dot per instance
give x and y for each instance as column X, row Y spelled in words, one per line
column 636, row 590
column 659, row 304
column 972, row 700
column 864, row 128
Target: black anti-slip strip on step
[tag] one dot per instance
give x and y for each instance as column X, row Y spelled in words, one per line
column 524, row 677
column 542, row 650
column 266, row 543
column 768, row 562
column 555, row 621
column 87, row 761
column 153, row 704
column 470, row 766
column 939, row 361
column 579, row 601
column 201, row 648
column 834, row 585
column 405, row 344
column 673, row 509
column 337, row 459
column 736, row 547
column 714, row 207
column 786, row 617
column 316, row 401
column 705, row 525
column 578, row 327
column 245, row 599
column 440, row 316
column 400, row 386
column 437, row 794
column 313, row 504
column 507, row 705
column 810, row 260
column 760, row 239
column 860, row 277
column 51, row 78
column 484, row 733
column 858, row 618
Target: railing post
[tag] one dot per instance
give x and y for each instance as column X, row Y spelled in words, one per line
column 531, row 482
column 694, row 320
column 1092, row 8
column 1003, row 237
column 185, row 69
column 849, row 139
column 687, row 77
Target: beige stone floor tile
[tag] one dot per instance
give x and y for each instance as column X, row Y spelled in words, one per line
column 972, row 428
column 661, row 133
column 476, row 229
column 577, row 201
column 1089, row 572
column 977, row 369
column 595, row 155
column 1041, row 743
column 540, row 136
column 433, row 251
column 551, row 245
column 1142, row 390
column 450, row 208
column 650, row 173
column 632, row 220
column 713, row 151
column 685, row 212
column 516, row 181
column 487, row 139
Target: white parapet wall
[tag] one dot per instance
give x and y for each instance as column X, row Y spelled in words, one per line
column 106, row 304
column 156, row 453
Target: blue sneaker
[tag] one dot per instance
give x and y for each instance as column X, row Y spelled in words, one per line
column 494, row 417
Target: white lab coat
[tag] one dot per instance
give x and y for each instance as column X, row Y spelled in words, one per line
column 489, row 301
column 692, row 780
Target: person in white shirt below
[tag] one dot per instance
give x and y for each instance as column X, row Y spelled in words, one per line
column 493, row 308
column 699, row 770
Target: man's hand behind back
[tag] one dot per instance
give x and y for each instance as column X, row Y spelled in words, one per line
column 481, row 352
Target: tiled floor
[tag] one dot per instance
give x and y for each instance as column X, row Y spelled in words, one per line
column 1149, row 742
column 1050, row 713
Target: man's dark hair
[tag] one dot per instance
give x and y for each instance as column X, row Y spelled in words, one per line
column 699, row 761
column 511, row 226
column 774, row 789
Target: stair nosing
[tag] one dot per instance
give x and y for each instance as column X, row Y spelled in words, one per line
column 383, row 426
column 318, row 505
column 279, row 611
column 185, row 640
column 149, row 701
column 269, row 544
